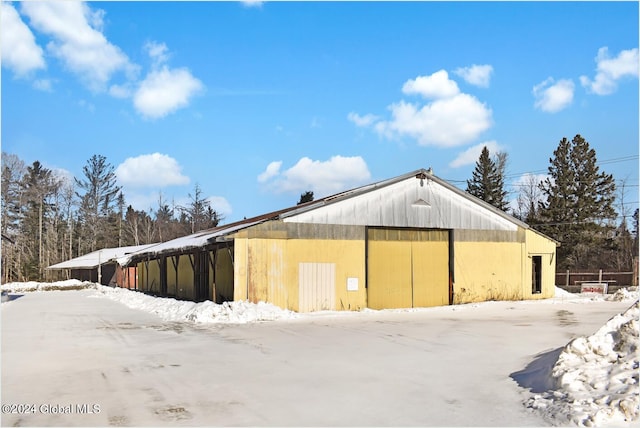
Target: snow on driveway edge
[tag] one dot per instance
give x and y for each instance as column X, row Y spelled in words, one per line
column 238, row 312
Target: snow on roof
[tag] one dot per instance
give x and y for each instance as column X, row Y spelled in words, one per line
column 195, row 240
column 92, row 260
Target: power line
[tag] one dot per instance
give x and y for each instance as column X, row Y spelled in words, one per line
column 604, row 162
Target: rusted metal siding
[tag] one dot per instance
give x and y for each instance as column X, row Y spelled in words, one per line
column 269, row 270
column 409, row 203
column 265, row 273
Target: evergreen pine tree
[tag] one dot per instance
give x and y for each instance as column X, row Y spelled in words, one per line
column 97, row 204
column 578, row 211
column 38, row 184
column 487, row 181
column 199, row 213
column 306, row 197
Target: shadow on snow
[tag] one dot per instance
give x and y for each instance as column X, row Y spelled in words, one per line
column 537, row 375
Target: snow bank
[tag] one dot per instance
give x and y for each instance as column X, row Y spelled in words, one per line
column 70, row 284
column 624, row 294
column 559, row 292
column 629, row 294
column 595, row 378
column 239, row 312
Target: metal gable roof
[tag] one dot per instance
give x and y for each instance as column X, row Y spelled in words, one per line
column 295, row 213
column 397, row 202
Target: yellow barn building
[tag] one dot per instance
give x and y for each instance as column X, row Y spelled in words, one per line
column 410, row 241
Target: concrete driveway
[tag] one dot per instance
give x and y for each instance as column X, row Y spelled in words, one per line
column 69, row 359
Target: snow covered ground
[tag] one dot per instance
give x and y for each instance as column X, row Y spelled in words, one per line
column 574, row 359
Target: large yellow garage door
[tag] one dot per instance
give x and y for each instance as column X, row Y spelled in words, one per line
column 407, row 268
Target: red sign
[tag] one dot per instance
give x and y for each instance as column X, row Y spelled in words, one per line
column 594, row 287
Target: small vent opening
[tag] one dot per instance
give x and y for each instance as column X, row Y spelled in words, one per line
column 421, row 203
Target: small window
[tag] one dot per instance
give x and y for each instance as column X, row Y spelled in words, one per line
column 536, row 275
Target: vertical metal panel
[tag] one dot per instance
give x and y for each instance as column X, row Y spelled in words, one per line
column 317, row 286
column 349, row 259
column 153, row 278
column 389, row 274
column 489, row 271
column 430, row 272
column 407, row 268
column 184, row 287
column 240, row 272
column 409, row 203
column 224, row 276
column 266, row 271
column 172, row 275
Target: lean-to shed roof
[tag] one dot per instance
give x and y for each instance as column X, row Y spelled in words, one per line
column 93, row 259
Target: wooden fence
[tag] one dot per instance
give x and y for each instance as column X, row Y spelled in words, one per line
column 572, row 281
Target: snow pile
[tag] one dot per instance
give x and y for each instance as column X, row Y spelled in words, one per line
column 70, row 284
column 559, row 292
column 239, row 312
column 629, row 294
column 624, row 294
column 596, row 377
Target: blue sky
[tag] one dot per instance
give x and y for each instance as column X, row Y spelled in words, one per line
column 259, row 102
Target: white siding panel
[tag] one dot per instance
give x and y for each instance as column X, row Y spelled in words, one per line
column 395, row 206
column 317, row 286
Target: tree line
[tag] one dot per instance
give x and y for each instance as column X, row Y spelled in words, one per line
column 574, row 205
column 47, row 217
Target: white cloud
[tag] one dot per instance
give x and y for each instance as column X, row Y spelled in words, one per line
column 610, row 70
column 362, row 121
column 528, row 179
column 20, row 53
column 43, row 85
column 322, row 177
column 158, row 52
column 272, row 170
column 472, row 154
column 140, row 200
column 78, row 40
column 165, row 91
column 154, row 170
column 220, row 204
column 445, row 123
column 252, row 3
column 438, row 85
column 87, row 105
column 553, row 97
column 478, row 75
column 120, row 91
column 63, row 175
column 451, row 119
column 527, row 191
